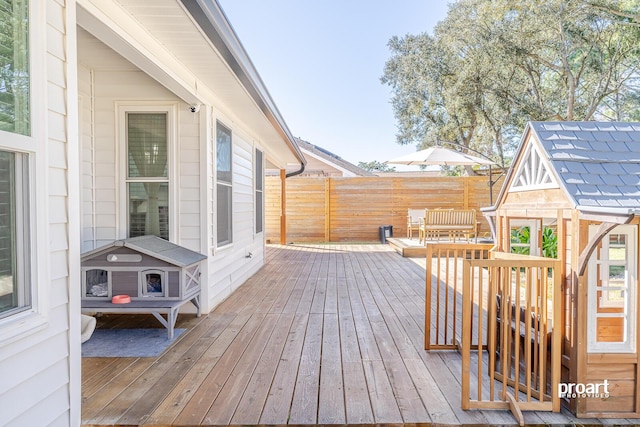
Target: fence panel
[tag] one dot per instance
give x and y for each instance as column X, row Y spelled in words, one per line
column 352, row 209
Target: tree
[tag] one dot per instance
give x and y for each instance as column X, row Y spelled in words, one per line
column 493, row 65
column 376, row 166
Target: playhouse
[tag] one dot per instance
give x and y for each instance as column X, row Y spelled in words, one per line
column 143, row 274
column 573, row 193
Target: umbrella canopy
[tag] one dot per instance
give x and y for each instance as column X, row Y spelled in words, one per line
column 439, row 156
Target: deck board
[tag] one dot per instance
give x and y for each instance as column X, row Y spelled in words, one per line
column 323, row 334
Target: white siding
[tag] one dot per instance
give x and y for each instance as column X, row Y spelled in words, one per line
column 230, row 266
column 106, row 81
column 39, row 383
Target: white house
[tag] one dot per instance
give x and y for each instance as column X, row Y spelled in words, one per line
column 119, row 118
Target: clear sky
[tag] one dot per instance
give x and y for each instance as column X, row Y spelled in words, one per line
column 321, row 61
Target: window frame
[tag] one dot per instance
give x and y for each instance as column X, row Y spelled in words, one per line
column 534, row 230
column 142, row 283
column 85, row 271
column 631, row 278
column 229, row 184
column 122, row 109
column 33, row 148
column 21, row 234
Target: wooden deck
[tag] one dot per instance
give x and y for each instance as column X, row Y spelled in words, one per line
column 323, row 334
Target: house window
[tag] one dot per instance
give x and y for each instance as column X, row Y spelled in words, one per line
column 15, row 283
column 611, row 292
column 224, row 187
column 259, row 180
column 14, row 63
column 16, row 287
column 147, row 141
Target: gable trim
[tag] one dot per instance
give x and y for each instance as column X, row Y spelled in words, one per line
column 534, row 171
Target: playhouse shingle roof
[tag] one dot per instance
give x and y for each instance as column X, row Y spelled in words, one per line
column 155, row 247
column 597, row 163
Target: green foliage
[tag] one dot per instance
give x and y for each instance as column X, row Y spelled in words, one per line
column 549, row 241
column 376, row 166
column 520, row 235
column 492, row 65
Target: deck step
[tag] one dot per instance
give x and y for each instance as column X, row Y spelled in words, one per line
column 405, row 249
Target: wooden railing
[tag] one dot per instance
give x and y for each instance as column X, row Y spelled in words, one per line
column 443, row 299
column 520, row 326
column 502, row 312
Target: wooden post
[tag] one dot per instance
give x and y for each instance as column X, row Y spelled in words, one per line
column 466, row 336
column 327, row 209
column 283, row 207
column 557, row 334
column 579, row 236
column 465, row 194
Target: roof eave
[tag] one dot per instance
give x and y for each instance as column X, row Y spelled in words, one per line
column 214, row 24
column 612, row 211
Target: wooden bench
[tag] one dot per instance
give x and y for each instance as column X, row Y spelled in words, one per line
column 170, row 308
column 450, row 222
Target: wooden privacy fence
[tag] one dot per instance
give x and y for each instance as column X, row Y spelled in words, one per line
column 352, row 209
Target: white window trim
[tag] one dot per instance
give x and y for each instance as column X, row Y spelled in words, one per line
column 36, row 318
column 171, row 108
column 109, row 284
column 534, row 231
column 629, row 346
column 142, row 290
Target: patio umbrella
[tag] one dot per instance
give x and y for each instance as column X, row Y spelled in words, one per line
column 439, row 156
column 445, row 157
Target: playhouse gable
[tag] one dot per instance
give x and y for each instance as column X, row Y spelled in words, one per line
column 589, row 166
column 533, row 171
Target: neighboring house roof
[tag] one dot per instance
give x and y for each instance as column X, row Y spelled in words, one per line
column 330, row 159
column 596, row 163
column 154, row 247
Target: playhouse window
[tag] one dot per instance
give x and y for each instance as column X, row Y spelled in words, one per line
column 524, row 237
column 612, row 289
column 97, row 283
column 153, row 283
